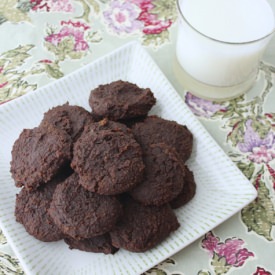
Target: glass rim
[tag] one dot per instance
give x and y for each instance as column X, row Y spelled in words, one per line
column 218, row 40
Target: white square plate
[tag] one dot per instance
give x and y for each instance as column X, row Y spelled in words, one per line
column 222, row 190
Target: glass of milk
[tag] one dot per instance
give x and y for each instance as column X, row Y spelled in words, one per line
column 220, row 44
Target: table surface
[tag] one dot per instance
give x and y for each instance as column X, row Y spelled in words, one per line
column 43, row 40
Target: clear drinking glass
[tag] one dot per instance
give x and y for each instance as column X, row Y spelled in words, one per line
column 215, row 69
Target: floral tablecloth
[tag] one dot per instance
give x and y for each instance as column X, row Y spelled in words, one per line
column 43, row 40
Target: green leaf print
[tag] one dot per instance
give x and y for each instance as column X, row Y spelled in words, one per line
column 204, row 272
column 53, row 70
column 165, row 9
column 15, row 57
column 247, row 169
column 169, row 261
column 12, row 82
column 156, row 39
column 3, row 19
column 75, row 54
column 3, row 239
column 86, row 5
column 21, row 49
column 261, row 126
column 259, row 216
column 16, row 88
column 219, row 264
column 160, row 268
column 9, row 265
column 237, row 133
column 9, row 11
column 155, row 271
column 25, row 5
column 94, row 4
column 93, row 37
column 63, row 49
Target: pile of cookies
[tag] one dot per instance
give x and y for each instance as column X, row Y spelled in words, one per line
column 105, row 179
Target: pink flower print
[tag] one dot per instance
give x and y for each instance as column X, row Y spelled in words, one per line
column 261, row 271
column 60, row 5
column 232, row 249
column 74, row 30
column 241, row 257
column 122, row 17
column 81, row 45
column 3, row 84
column 52, row 5
column 210, row 243
column 260, row 150
column 202, row 107
column 233, row 252
column 39, row 5
column 152, row 24
column 272, row 174
column 262, row 154
column 144, row 5
column 77, row 24
column 77, row 34
column 45, row 61
column 54, row 39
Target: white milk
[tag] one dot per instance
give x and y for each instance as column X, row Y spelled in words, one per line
column 235, row 22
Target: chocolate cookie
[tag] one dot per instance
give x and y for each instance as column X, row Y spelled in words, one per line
column 155, row 130
column 81, row 214
column 131, row 122
column 163, row 178
column 143, row 227
column 70, row 118
column 38, row 154
column 31, row 210
column 108, row 161
column 99, row 244
column 121, row 100
column 188, row 190
column 114, row 126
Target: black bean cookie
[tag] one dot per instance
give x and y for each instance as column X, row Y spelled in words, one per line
column 81, row 214
column 31, row 210
column 106, row 124
column 155, row 130
column 188, row 190
column 143, row 227
column 70, row 118
column 99, row 244
column 163, row 177
column 108, row 161
column 131, row 122
column 38, row 154
column 121, row 100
